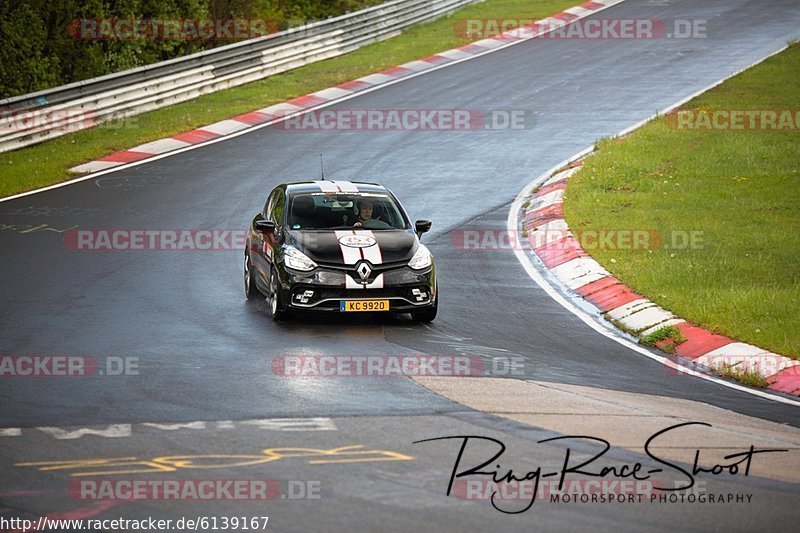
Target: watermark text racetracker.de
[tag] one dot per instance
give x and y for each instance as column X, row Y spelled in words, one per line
column 69, row 366
column 68, row 119
column 65, row 119
column 592, row 491
column 619, row 239
column 762, row 364
column 164, row 29
column 349, row 366
column 193, row 489
column 407, row 120
column 734, row 119
column 589, row 28
column 211, row 239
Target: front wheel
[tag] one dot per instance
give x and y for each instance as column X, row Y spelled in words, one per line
column 277, row 308
column 250, row 289
column 426, row 315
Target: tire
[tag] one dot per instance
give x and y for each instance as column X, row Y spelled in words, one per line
column 277, row 307
column 426, row 315
column 250, row 289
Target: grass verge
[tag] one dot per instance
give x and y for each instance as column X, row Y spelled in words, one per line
column 48, row 163
column 748, row 377
column 720, row 208
column 665, row 339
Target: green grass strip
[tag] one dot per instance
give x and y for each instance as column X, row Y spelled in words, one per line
column 739, row 189
column 48, row 163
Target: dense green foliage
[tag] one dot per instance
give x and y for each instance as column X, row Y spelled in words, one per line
column 38, row 47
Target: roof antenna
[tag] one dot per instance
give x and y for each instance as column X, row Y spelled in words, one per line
column 321, row 167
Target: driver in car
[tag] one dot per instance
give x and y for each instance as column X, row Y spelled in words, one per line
column 365, row 207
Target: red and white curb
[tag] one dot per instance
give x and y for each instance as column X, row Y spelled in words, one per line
column 278, row 112
column 584, row 277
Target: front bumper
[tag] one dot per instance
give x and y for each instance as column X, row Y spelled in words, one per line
column 324, row 289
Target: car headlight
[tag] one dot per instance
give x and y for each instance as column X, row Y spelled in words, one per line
column 297, row 260
column 422, row 258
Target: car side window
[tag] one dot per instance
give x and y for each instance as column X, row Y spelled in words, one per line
column 268, row 206
column 273, row 210
column 277, row 207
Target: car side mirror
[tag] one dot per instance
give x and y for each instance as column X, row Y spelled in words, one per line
column 422, row 226
column 265, row 226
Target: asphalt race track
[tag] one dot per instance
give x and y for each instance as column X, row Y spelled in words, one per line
column 205, row 355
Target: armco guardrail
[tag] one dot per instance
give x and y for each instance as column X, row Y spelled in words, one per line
column 36, row 117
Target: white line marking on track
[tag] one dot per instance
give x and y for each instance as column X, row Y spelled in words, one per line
column 294, row 424
column 174, row 427
column 112, row 431
column 127, row 430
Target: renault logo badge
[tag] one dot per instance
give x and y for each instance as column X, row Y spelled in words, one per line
column 364, row 271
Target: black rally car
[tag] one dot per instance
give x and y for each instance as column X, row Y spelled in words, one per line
column 339, row 246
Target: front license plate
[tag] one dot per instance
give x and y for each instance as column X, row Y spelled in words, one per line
column 364, row 305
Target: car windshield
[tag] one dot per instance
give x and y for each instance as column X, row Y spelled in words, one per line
column 372, row 211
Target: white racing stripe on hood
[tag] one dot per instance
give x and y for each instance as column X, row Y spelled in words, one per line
column 372, row 253
column 351, row 256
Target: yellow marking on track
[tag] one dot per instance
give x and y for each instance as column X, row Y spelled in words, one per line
column 313, row 456
column 177, row 462
column 48, row 466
